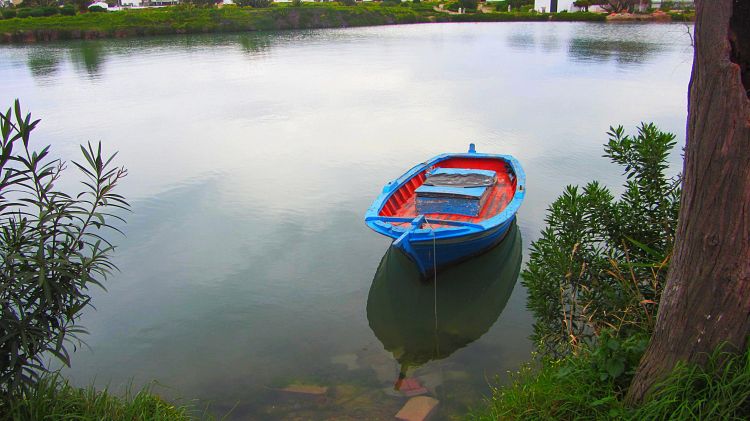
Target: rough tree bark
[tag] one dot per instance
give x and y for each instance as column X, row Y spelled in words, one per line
column 706, row 301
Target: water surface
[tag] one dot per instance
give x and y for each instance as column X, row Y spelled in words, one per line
column 252, row 158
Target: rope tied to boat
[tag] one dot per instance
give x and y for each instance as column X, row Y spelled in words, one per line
column 434, row 274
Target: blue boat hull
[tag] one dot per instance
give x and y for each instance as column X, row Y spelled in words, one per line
column 432, row 255
column 434, row 240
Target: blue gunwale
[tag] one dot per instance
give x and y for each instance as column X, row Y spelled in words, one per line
column 383, row 224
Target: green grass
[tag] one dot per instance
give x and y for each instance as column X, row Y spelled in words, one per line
column 718, row 391
column 568, row 389
column 55, row 399
column 573, row 389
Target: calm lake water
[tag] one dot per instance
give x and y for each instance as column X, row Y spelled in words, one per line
column 252, row 159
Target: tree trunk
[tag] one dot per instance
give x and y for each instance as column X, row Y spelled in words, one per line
column 706, row 301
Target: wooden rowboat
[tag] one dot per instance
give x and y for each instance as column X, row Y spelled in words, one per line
column 467, row 225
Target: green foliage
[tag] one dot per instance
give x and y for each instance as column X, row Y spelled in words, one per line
column 718, row 391
column 296, row 3
column 187, row 18
column 517, row 5
column 592, row 384
column 578, row 17
column 468, row 4
column 52, row 248
column 666, row 5
column 53, row 398
column 348, row 2
column 687, row 16
column 566, row 389
column 96, row 9
column 9, row 13
column 254, row 3
column 37, row 12
column 68, row 10
column 601, row 263
column 616, row 359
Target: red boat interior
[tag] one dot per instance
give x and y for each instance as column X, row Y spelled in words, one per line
column 402, row 202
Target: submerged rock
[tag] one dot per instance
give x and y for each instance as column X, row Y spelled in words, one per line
column 306, row 389
column 348, row 360
column 417, row 409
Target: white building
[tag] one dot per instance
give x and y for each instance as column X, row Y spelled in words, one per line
column 553, row 6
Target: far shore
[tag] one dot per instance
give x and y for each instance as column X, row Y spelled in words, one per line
column 185, row 19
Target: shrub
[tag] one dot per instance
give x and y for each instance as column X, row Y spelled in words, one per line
column 296, row 3
column 501, row 6
column 666, row 5
column 68, row 10
column 468, row 4
column 254, row 3
column 26, row 13
column 9, row 13
column 37, row 12
column 96, row 9
column 51, row 249
column 579, row 17
column 348, row 2
column 601, row 263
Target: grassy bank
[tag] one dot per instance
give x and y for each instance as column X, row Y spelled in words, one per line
column 180, row 20
column 55, row 399
column 574, row 388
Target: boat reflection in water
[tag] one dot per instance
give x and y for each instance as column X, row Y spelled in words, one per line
column 418, row 324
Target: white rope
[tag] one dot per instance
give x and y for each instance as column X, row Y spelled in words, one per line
column 434, row 272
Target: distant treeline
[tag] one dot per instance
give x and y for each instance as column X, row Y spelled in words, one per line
column 190, row 19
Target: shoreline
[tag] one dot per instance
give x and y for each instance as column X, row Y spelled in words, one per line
column 191, row 20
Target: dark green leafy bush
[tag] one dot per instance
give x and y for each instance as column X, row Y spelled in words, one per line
column 468, row 4
column 254, row 3
column 96, row 9
column 38, row 12
column 51, row 249
column 9, row 13
column 68, row 10
column 601, row 263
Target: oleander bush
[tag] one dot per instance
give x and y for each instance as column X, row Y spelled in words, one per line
column 53, row 249
column 601, row 262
